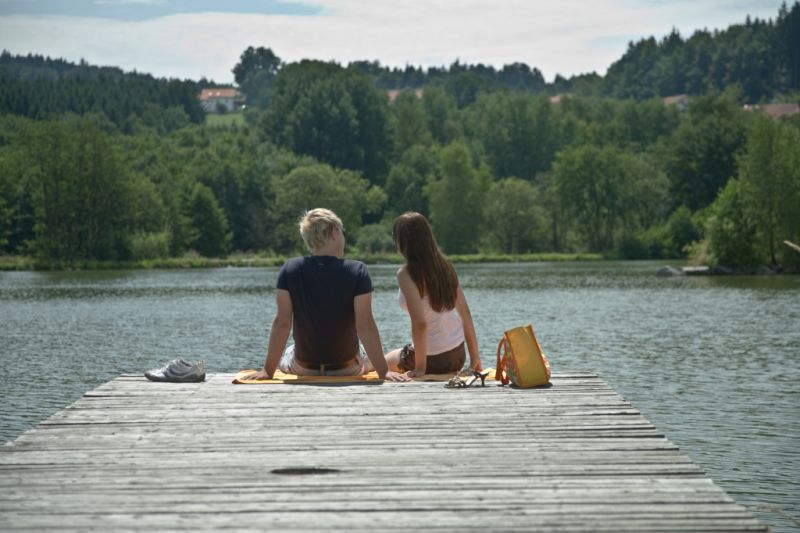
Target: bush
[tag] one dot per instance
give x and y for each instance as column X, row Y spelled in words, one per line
column 375, row 238
column 211, row 237
column 730, row 231
column 681, row 231
column 670, row 240
column 307, row 187
column 516, row 221
column 150, row 245
column 640, row 246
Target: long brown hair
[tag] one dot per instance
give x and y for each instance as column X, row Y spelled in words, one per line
column 433, row 275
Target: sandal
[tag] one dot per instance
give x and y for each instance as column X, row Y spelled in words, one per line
column 482, row 375
column 458, row 382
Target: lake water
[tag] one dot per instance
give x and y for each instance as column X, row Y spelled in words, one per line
column 712, row 361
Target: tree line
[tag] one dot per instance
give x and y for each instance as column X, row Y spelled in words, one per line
column 761, row 57
column 508, row 171
column 38, row 87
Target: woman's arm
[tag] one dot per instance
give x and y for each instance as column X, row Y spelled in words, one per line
column 419, row 328
column 462, row 308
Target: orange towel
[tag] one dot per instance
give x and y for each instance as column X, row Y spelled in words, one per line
column 280, row 377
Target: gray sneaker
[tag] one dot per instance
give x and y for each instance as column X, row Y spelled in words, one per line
column 178, row 371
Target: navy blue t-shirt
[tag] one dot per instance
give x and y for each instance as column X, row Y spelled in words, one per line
column 322, row 288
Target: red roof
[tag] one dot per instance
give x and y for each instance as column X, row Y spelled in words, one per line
column 675, row 99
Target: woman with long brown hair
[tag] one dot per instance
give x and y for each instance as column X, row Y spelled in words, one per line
column 429, row 290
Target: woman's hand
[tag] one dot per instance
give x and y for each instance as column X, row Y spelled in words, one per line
column 476, row 366
column 396, row 376
column 411, row 374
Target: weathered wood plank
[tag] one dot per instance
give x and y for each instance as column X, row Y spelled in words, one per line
column 151, row 456
column 371, row 519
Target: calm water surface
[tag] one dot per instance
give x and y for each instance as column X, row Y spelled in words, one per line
column 714, row 362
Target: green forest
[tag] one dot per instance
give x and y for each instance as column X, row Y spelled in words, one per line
column 100, row 165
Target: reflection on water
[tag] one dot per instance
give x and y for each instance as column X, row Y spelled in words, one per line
column 713, row 361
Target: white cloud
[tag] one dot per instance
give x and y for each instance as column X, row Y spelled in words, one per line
column 127, row 2
column 567, row 37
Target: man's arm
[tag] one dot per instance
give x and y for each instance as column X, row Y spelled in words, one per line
column 278, row 335
column 367, row 331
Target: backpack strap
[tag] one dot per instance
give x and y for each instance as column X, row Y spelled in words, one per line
column 500, row 373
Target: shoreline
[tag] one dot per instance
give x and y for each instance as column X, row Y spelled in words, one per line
column 721, row 271
column 13, row 263
column 24, row 263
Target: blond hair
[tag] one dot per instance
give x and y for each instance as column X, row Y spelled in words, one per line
column 316, row 227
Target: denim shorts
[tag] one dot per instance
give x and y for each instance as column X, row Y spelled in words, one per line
column 440, row 363
column 290, row 365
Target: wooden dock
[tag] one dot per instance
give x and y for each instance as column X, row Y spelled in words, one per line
column 135, row 455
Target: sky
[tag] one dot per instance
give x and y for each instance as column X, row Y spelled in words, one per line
column 204, row 38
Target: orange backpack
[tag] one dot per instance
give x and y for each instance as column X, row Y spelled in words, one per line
column 522, row 362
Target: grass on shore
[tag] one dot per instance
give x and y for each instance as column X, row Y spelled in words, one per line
column 16, row 262
column 235, row 118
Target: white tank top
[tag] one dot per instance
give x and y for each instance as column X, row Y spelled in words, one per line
column 445, row 330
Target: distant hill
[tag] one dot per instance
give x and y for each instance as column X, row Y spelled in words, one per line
column 37, row 87
column 761, row 57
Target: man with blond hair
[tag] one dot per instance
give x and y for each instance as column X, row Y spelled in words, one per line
column 325, row 301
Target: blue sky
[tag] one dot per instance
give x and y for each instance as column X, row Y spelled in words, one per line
column 196, row 38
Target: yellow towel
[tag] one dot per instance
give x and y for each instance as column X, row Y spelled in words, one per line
column 280, row 377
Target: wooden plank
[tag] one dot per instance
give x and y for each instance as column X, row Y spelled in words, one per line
column 150, row 456
column 372, row 520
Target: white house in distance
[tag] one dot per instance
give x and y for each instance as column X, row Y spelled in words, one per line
column 229, row 98
column 776, row 111
column 680, row 101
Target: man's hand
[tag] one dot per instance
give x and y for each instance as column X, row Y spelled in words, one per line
column 257, row 376
column 411, row 374
column 395, row 376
